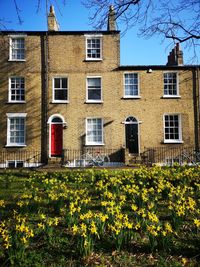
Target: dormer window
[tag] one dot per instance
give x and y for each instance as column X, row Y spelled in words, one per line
column 94, row 47
column 17, row 48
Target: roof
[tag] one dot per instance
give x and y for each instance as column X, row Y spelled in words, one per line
column 156, row 67
column 58, row 32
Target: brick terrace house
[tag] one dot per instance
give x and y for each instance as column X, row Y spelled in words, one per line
column 65, row 92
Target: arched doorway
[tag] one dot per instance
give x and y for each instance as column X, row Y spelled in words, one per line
column 131, row 133
column 56, row 135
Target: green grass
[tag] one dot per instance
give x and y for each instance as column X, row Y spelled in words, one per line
column 31, row 195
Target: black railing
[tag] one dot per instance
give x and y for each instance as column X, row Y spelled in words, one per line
column 170, row 155
column 24, row 158
column 115, row 155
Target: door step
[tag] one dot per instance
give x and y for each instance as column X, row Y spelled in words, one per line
column 133, row 160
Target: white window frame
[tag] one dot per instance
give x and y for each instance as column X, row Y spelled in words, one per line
column 90, row 37
column 175, row 141
column 89, row 143
column 11, row 37
column 132, row 96
column 93, row 100
column 177, row 95
column 15, row 163
column 53, row 90
column 15, row 115
column 10, row 89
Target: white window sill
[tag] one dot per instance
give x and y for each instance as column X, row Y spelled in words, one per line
column 93, row 59
column 171, row 96
column 173, row 142
column 131, row 97
column 17, row 60
column 60, row 101
column 16, row 102
column 95, row 144
column 15, row 145
column 93, row 102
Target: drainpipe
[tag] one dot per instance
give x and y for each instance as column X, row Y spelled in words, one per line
column 44, row 97
column 196, row 107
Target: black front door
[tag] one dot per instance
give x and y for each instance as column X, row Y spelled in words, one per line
column 132, row 138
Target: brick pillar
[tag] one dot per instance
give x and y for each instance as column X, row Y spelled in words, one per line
column 111, row 19
column 52, row 21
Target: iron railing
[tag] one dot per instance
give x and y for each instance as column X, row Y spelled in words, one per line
column 24, row 158
column 114, row 155
column 169, row 155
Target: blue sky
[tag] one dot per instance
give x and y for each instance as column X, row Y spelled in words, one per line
column 75, row 17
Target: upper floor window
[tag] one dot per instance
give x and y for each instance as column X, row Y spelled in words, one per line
column 170, row 84
column 60, row 89
column 172, row 128
column 94, row 91
column 94, row 47
column 94, row 131
column 131, row 85
column 16, row 89
column 16, row 129
column 17, row 48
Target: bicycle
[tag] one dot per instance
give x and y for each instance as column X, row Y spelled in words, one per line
column 95, row 160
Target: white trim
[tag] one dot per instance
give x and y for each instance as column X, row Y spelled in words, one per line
column 102, row 133
column 56, row 115
column 9, row 90
column 172, row 96
column 94, row 100
column 177, row 85
column 174, row 141
column 11, row 115
column 53, row 90
column 138, row 78
column 50, row 123
column 19, row 36
column 94, row 36
column 15, row 115
column 138, row 123
column 132, row 97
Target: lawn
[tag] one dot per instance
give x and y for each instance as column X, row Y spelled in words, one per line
column 142, row 217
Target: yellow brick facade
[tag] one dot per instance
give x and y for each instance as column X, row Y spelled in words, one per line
column 66, row 57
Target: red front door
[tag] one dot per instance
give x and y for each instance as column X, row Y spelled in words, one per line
column 56, row 140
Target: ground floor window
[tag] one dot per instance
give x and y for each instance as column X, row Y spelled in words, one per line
column 172, row 128
column 16, row 129
column 94, row 131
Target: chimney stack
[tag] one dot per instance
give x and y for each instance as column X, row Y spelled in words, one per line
column 52, row 21
column 175, row 56
column 111, row 19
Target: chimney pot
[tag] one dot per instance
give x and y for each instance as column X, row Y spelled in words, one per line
column 52, row 21
column 111, row 19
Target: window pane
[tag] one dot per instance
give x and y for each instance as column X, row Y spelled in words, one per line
column 94, row 88
column 60, row 89
column 17, row 131
column 170, row 83
column 64, row 83
column 94, row 131
column 61, row 94
column 17, row 89
column 94, row 48
column 57, row 83
column 131, row 84
column 172, row 131
column 18, row 48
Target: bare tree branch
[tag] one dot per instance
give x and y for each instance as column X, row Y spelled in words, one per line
column 176, row 20
column 18, row 12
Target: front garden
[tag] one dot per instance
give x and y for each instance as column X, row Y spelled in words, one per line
column 142, row 217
